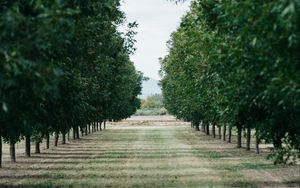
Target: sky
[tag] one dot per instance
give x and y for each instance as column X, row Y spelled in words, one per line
column 157, row 19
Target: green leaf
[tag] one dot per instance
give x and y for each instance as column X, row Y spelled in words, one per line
column 254, row 41
column 290, row 9
column 4, row 107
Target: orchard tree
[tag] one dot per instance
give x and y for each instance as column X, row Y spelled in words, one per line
column 64, row 65
column 236, row 65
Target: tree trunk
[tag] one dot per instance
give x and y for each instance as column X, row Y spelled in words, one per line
column 47, row 140
column 100, row 126
column 63, row 138
column 77, row 132
column 207, row 129
column 224, row 133
column 197, row 126
column 277, row 143
column 229, row 134
column 27, row 145
column 202, row 127
column 214, row 130
column 239, row 137
column 68, row 135
column 74, row 133
column 12, row 151
column 37, row 147
column 248, row 138
column 82, row 132
column 89, row 126
column 56, row 139
column 257, row 141
column 220, row 134
column 0, row 150
column 86, row 130
column 104, row 125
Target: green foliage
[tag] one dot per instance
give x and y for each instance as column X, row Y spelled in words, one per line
column 153, row 101
column 152, row 105
column 64, row 64
column 238, row 64
column 151, row 112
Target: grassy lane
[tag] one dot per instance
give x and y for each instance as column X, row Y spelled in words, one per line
column 147, row 156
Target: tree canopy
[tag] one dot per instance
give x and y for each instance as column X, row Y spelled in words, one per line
column 237, row 64
column 63, row 65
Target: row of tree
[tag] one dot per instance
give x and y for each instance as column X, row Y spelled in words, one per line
column 237, row 65
column 63, row 65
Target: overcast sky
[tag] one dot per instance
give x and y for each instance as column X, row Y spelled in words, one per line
column 157, row 19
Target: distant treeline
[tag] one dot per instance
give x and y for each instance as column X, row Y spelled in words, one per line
column 152, row 105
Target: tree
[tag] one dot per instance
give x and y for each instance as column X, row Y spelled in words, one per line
column 58, row 62
column 235, row 64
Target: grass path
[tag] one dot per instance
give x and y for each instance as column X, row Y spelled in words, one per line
column 147, row 156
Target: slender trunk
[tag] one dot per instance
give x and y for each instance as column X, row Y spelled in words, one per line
column 86, row 130
column 47, row 140
column 239, row 137
column 81, row 130
column 69, row 135
column 220, row 134
column 197, row 125
column 37, row 147
column 224, row 133
column 74, row 133
column 63, row 138
column 27, row 145
column 12, row 151
column 229, row 134
column 89, row 126
column 202, row 127
column 277, row 143
column 207, row 129
column 214, row 130
column 104, row 125
column 257, row 141
column 0, row 150
column 248, row 138
column 100, row 126
column 56, row 139
column 77, row 132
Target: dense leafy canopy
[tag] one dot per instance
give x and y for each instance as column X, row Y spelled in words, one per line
column 238, row 63
column 63, row 65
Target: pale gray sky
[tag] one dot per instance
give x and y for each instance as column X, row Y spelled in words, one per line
column 157, row 19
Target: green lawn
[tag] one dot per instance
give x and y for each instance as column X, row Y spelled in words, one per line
column 147, row 156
